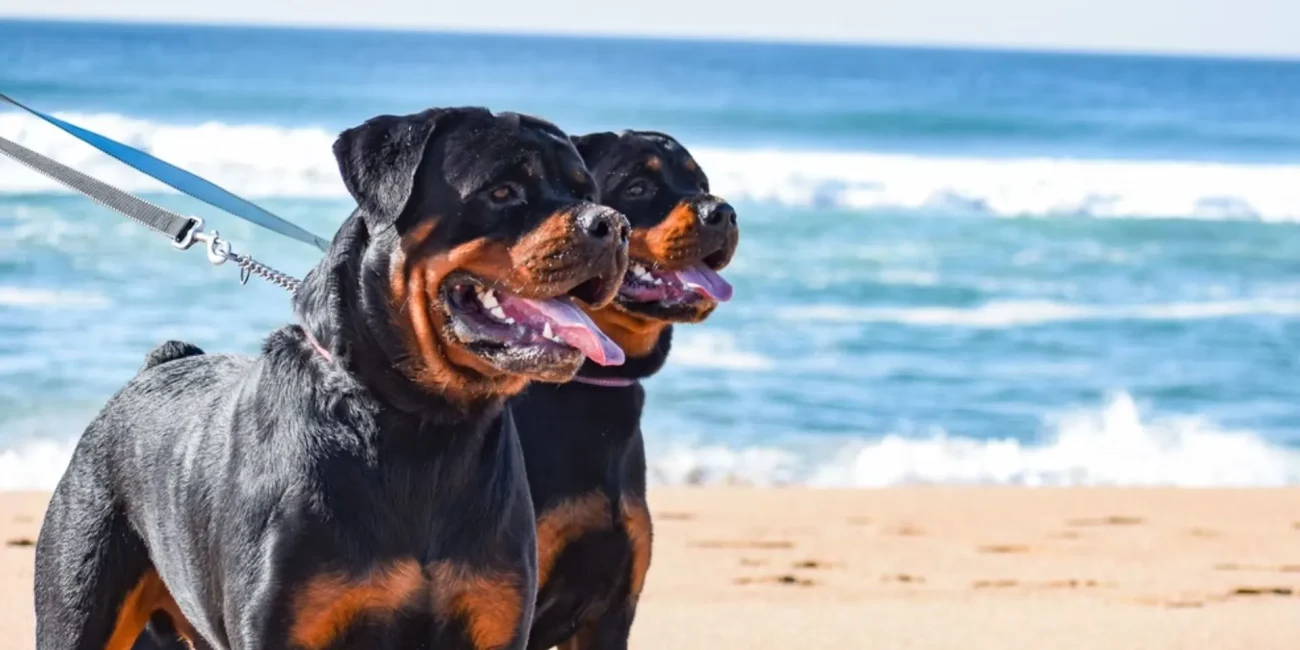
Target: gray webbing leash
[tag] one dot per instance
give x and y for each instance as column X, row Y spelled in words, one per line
column 183, row 231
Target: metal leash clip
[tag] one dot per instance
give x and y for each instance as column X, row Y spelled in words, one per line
column 218, row 249
column 182, row 231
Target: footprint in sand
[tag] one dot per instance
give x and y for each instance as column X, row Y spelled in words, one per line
column 994, row 584
column 1072, row 583
column 786, row 580
column 1262, row 591
column 812, row 564
column 1172, row 603
column 1113, row 520
column 905, row 578
column 1236, row 566
column 1003, row 548
column 749, row 544
column 674, row 516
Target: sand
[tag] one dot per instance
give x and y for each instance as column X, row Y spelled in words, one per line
column 972, row 568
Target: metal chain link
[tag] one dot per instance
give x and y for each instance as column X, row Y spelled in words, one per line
column 219, row 252
column 249, row 267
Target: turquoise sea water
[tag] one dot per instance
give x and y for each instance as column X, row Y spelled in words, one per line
column 955, row 266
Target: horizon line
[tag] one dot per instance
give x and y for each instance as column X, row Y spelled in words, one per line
column 578, row 34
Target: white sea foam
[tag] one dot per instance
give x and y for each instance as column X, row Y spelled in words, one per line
column 697, row 349
column 252, row 160
column 1010, row 313
column 1113, row 445
column 44, row 298
column 265, row 161
column 34, row 465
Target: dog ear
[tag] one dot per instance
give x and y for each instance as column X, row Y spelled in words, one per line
column 379, row 160
column 593, row 146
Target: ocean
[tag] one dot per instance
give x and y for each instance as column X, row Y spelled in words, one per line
column 970, row 267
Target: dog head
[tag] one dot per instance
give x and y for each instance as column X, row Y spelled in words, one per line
column 475, row 247
column 682, row 235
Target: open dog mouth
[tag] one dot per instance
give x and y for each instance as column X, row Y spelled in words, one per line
column 517, row 333
column 648, row 285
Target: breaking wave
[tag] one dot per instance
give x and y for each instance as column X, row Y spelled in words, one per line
column 266, row 161
column 1115, row 445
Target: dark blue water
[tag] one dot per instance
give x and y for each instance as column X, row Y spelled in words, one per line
column 956, row 266
column 730, row 93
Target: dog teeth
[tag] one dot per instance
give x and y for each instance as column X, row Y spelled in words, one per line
column 488, row 298
column 641, row 273
column 549, row 334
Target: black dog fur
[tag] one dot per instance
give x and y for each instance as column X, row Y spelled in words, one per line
column 369, row 493
column 582, row 443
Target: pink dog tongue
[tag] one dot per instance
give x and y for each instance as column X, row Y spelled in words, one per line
column 572, row 326
column 706, row 281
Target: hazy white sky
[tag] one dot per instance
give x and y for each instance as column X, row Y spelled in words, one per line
column 1249, row 27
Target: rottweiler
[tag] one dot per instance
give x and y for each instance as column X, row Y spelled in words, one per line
column 582, row 439
column 359, row 483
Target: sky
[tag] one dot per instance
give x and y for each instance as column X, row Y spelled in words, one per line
column 1231, row 27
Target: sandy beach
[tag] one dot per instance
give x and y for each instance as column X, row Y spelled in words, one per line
column 1062, row 569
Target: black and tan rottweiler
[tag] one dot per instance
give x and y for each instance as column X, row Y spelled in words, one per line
column 582, row 440
column 359, row 483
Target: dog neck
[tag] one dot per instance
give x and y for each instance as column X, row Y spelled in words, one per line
column 329, row 358
column 331, row 305
column 633, row 370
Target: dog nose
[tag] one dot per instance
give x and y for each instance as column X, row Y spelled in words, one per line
column 602, row 224
column 720, row 215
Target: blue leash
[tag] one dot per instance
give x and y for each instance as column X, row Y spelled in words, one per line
column 180, row 179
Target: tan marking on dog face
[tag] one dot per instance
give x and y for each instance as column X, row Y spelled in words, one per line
column 636, row 334
column 666, row 243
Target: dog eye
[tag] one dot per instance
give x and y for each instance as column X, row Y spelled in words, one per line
column 638, row 188
column 505, row 193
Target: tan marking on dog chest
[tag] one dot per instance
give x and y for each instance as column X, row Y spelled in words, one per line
column 489, row 604
column 327, row 605
column 560, row 525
